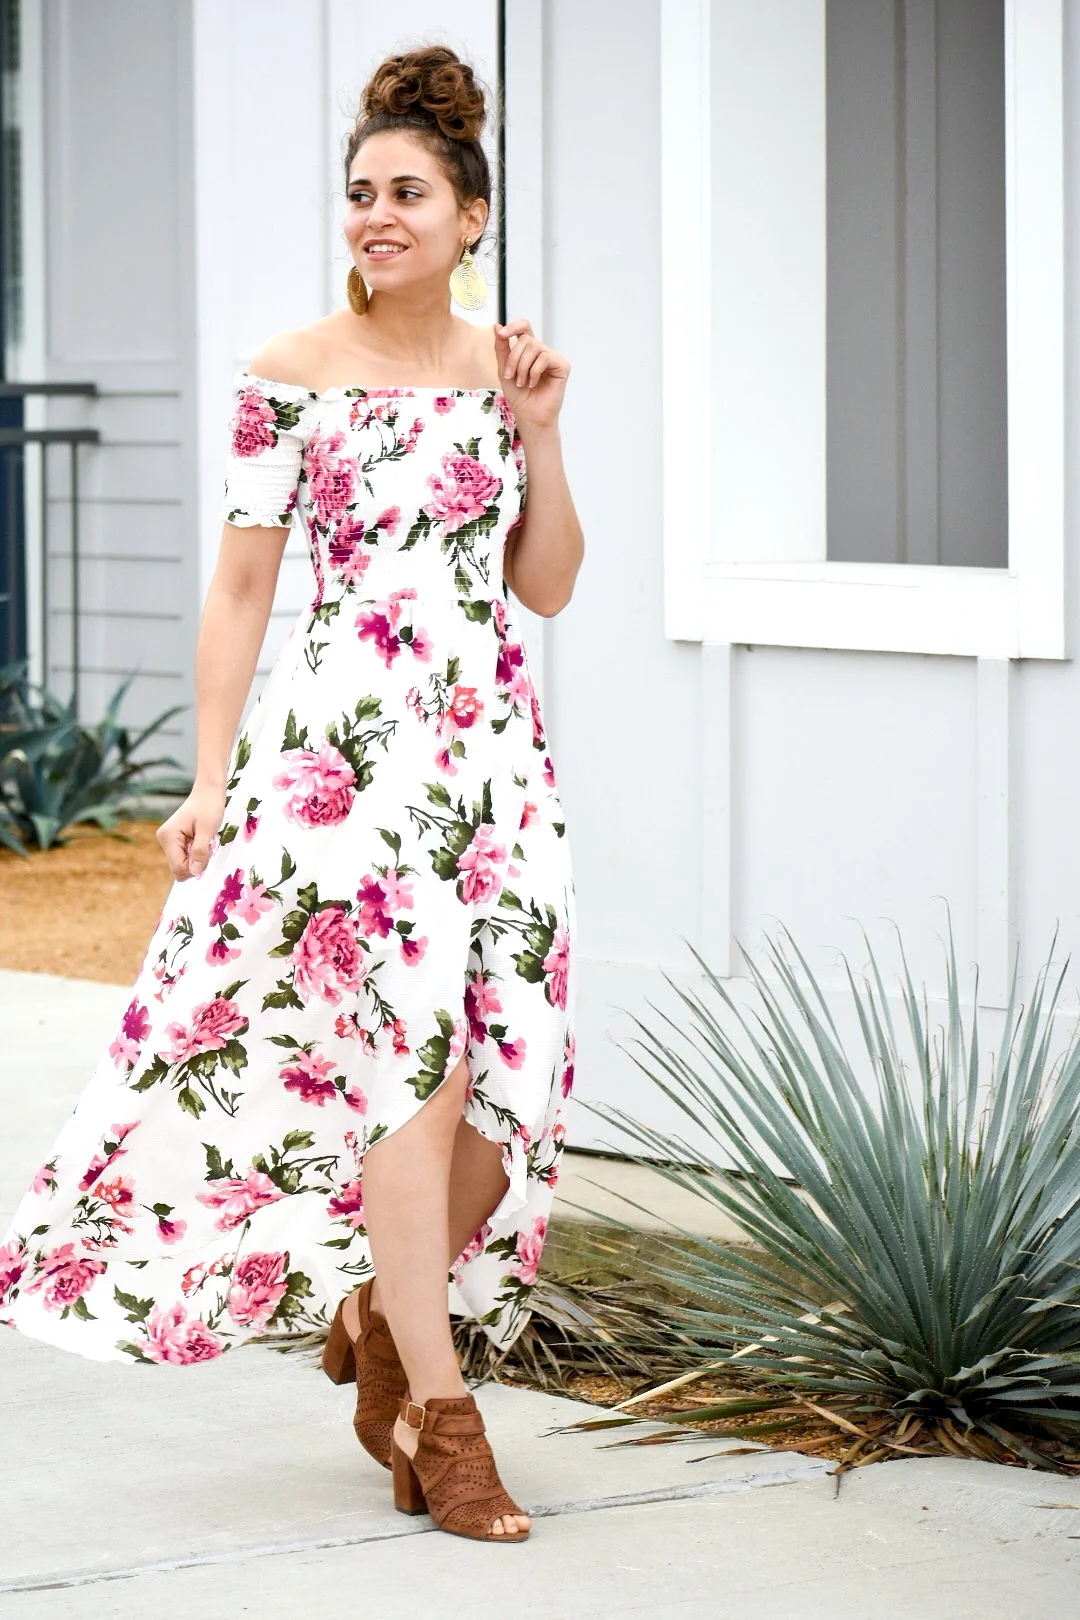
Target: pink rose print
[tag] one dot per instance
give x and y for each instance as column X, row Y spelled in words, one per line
column 413, row 949
column 45, row 1180
column 443, row 403
column 480, row 863
column 170, row 1231
column 463, row 493
column 397, row 1027
column 388, row 521
column 513, row 1052
column 331, row 477
column 101, row 1161
column 507, row 415
column 308, row 1075
column 229, row 894
column 380, row 623
column 259, row 1284
column 119, row 1194
column 568, row 1067
column 348, row 558
column 237, row 1197
column 481, row 998
column 530, row 1246
column 465, row 707
column 556, row 965
column 253, row 424
column 134, row 1028
column 459, row 1040
column 321, row 785
column 173, row 1336
column 212, row 1024
column 474, row 1247
column 65, row 1278
column 327, row 957
column 528, row 814
column 356, row 1099
column 13, row 1258
column 349, row 1202
column 252, row 903
column 196, row 1275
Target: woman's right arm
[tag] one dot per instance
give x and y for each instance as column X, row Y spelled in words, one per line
column 231, row 633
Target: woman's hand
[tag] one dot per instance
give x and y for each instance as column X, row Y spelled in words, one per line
column 534, row 376
column 189, row 831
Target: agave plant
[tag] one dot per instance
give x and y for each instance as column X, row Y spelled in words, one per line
column 914, row 1207
column 56, row 773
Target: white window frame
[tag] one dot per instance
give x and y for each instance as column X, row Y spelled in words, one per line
column 1013, row 612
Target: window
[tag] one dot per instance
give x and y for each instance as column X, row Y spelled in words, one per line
column 864, row 324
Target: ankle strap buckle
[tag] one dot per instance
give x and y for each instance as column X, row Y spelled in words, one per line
column 410, row 1407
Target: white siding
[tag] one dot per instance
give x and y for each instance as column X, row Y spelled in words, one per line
column 117, row 108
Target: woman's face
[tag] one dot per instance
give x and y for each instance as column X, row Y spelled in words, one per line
column 398, row 196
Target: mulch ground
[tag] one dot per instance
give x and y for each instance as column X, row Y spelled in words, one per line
column 86, row 910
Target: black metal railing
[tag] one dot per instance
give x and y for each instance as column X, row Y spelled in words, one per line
column 13, row 445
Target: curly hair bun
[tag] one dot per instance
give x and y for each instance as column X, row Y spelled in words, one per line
column 433, row 81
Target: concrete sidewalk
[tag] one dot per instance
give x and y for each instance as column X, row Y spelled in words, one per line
column 237, row 1487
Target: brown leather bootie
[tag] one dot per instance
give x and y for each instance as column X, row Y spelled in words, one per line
column 361, row 1346
column 453, row 1475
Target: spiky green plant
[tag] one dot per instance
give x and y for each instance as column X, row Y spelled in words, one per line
column 916, row 1208
column 56, row 772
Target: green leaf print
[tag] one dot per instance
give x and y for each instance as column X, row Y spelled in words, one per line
column 137, row 1310
column 479, row 611
column 284, row 995
column 530, row 967
column 437, row 794
column 444, row 864
column 190, row 1102
column 421, row 527
column 292, row 736
column 391, row 838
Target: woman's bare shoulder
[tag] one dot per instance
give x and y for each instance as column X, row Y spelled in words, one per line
column 487, row 359
column 295, row 357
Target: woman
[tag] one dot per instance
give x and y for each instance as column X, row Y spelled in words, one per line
column 347, row 1054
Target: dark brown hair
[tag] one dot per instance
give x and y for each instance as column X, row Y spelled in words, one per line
column 432, row 94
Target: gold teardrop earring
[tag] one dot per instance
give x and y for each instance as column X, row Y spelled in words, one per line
column 467, row 286
column 356, row 288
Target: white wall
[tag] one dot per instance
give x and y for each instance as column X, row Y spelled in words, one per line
column 116, row 104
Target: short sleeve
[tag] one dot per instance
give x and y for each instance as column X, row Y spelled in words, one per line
column 264, row 452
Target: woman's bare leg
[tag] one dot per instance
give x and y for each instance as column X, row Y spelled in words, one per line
column 407, row 1213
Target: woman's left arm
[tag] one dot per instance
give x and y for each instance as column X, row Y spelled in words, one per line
column 545, row 549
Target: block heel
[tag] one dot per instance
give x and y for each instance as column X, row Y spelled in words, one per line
column 338, row 1357
column 408, row 1493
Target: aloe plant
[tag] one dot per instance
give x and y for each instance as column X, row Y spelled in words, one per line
column 56, row 772
column 915, row 1205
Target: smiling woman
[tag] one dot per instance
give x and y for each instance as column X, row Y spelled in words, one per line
column 350, row 1045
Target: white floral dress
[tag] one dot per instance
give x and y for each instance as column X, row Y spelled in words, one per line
column 390, row 888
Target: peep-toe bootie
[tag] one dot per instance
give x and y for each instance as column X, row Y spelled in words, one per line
column 453, row 1475
column 361, row 1346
